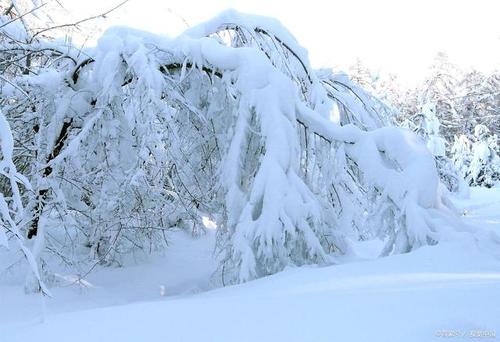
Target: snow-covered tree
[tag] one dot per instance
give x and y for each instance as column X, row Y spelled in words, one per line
column 477, row 101
column 362, row 75
column 426, row 124
column 439, row 88
column 143, row 134
column 461, row 153
column 478, row 160
column 484, row 167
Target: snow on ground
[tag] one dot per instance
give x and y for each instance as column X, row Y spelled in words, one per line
column 451, row 288
column 186, row 273
column 482, row 208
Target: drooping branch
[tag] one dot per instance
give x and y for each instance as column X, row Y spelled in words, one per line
column 167, row 68
column 236, row 27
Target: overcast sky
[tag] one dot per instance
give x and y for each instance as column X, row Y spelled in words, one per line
column 399, row 36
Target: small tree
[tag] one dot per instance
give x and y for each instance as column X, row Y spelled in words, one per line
column 484, row 167
column 461, row 154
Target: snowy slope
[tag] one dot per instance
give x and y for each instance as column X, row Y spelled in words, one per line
column 453, row 287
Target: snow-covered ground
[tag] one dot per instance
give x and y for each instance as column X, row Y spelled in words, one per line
column 452, row 288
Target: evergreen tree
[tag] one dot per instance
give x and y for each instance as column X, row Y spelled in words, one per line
column 484, row 168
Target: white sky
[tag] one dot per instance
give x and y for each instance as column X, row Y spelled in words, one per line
column 400, row 36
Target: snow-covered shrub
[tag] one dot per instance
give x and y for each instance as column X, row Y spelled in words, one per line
column 143, row 134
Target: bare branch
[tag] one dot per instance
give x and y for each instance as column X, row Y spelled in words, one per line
column 102, row 15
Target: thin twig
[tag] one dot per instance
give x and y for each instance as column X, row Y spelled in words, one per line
column 102, row 15
column 22, row 15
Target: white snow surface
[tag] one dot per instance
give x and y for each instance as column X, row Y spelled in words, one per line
column 453, row 287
